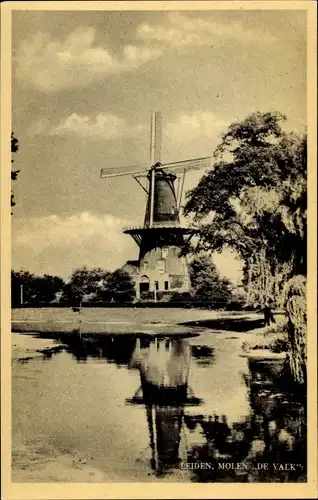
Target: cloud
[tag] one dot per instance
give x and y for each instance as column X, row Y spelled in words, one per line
column 103, row 126
column 181, row 30
column 106, row 126
column 193, row 134
column 51, row 64
column 58, row 245
column 190, row 126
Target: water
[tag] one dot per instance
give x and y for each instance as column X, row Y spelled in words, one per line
column 129, row 408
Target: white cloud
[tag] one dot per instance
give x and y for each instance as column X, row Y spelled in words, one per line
column 51, row 65
column 57, row 245
column 103, row 126
column 193, row 134
column 189, row 126
column 198, row 125
column 181, row 30
column 106, row 126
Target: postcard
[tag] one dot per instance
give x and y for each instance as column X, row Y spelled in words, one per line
column 158, row 255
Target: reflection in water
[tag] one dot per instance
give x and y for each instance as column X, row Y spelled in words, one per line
column 164, row 369
column 108, row 347
column 274, row 431
column 203, row 354
column 268, row 446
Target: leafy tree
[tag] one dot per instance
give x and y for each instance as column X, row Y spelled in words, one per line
column 24, row 279
column 35, row 289
column 254, row 201
column 83, row 282
column 14, row 173
column 46, row 287
column 207, row 285
column 117, row 287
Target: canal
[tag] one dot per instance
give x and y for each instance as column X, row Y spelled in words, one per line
column 138, row 408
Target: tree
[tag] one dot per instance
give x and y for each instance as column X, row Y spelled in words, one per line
column 46, row 288
column 295, row 298
column 83, row 282
column 25, row 280
column 35, row 289
column 207, row 285
column 254, row 201
column 14, row 173
column 117, row 287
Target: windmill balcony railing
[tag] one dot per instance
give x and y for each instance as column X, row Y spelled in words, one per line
column 156, row 225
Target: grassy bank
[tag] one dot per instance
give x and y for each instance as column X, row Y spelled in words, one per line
column 272, row 338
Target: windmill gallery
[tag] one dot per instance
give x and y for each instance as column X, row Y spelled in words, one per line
column 161, row 266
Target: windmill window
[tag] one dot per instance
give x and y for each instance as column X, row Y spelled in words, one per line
column 166, row 285
column 164, row 253
column 161, row 266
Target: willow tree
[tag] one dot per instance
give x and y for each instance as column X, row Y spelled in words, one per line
column 254, row 201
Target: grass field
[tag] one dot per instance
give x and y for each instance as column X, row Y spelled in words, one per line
column 154, row 321
column 119, row 315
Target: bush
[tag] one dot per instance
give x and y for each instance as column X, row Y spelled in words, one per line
column 279, row 345
column 181, row 297
column 235, row 305
column 274, row 342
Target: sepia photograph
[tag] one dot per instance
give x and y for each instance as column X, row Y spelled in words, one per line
column 157, row 264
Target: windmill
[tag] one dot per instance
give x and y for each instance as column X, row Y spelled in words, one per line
column 161, row 265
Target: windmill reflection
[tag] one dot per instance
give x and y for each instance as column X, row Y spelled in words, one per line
column 164, row 368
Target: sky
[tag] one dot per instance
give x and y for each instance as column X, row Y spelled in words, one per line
column 84, row 86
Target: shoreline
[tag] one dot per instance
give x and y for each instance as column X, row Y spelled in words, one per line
column 245, row 326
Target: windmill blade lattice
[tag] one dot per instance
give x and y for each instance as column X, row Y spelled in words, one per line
column 120, row 171
column 186, row 165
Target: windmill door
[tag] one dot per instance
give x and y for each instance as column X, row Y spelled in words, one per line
column 144, row 284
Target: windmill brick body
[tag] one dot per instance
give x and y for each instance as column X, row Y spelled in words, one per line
column 161, row 265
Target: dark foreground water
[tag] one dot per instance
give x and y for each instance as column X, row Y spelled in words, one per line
column 144, row 409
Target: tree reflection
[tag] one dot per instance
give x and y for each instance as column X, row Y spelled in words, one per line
column 275, row 433
column 108, row 347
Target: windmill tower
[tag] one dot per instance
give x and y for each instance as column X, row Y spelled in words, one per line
column 160, row 266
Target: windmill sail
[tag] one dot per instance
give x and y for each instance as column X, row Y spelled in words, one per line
column 120, row 171
column 185, row 165
column 177, row 166
column 155, row 137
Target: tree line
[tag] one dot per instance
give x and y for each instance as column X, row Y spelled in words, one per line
column 99, row 286
column 90, row 285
